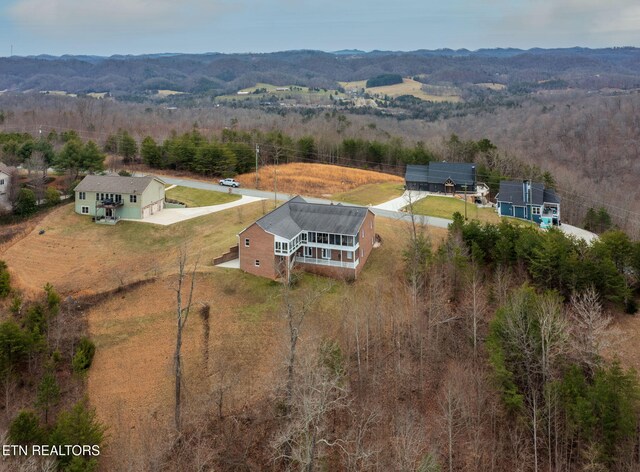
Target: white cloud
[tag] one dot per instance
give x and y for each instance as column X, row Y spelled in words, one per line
column 571, row 22
column 58, row 16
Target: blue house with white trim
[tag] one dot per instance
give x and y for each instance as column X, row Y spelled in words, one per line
column 528, row 200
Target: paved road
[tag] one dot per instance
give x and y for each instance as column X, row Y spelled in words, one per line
column 396, row 215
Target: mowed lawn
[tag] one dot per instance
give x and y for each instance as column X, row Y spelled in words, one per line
column 445, row 207
column 371, row 194
column 193, row 197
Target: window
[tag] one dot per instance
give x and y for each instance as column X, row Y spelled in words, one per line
column 246, row 242
column 85, row 210
column 326, row 253
column 349, row 255
column 118, row 198
column 1, row 181
column 82, row 196
column 133, row 198
column 285, row 247
column 304, row 237
column 312, row 237
column 361, row 252
column 257, row 263
column 535, row 210
column 278, row 246
column 371, row 224
column 363, row 232
column 308, row 251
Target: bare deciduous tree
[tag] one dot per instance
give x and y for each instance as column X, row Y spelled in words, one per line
column 182, row 315
column 588, row 327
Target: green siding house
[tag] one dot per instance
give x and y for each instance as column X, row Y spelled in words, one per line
column 109, row 198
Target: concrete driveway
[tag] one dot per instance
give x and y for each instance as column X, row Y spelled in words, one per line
column 399, row 203
column 170, row 216
column 579, row 233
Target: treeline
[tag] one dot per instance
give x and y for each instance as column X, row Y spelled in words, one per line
column 43, row 358
column 563, row 405
column 555, row 261
column 384, row 79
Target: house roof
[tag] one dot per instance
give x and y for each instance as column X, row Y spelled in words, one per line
column 115, row 184
column 512, row 191
column 416, row 173
column 5, row 169
column 460, row 173
column 299, row 215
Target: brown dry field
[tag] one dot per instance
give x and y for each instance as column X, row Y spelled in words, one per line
column 407, row 87
column 130, row 382
column 316, row 180
column 80, row 257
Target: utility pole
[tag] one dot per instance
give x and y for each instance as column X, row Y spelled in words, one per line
column 257, row 155
column 465, row 202
column 275, row 183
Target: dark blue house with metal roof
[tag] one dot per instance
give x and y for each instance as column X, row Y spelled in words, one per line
column 442, row 177
column 528, row 201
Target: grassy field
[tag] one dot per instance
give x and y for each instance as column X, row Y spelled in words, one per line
column 168, row 93
column 491, row 86
column 371, row 194
column 316, row 180
column 193, row 197
column 294, row 91
column 407, row 87
column 445, row 207
column 78, row 256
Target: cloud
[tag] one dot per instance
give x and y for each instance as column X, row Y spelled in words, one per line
column 60, row 17
column 580, row 21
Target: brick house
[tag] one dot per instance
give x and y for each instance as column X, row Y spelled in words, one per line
column 331, row 240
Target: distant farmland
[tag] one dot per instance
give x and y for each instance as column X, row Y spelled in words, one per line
column 407, row 87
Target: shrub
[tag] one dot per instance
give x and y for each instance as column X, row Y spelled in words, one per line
column 25, row 429
column 26, row 203
column 51, row 196
column 84, row 355
column 5, row 280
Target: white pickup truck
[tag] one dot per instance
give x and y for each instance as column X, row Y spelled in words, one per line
column 230, row 183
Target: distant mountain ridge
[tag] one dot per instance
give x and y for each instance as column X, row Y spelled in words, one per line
column 217, row 73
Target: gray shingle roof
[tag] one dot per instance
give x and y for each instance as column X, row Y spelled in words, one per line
column 416, row 173
column 512, row 191
column 115, row 184
column 460, row 173
column 297, row 215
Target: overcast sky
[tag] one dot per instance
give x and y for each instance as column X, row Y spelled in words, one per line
column 105, row 27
